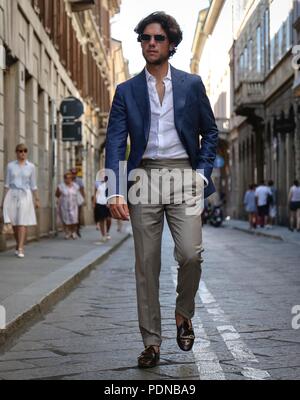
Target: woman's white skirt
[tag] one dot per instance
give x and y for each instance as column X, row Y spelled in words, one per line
column 18, row 208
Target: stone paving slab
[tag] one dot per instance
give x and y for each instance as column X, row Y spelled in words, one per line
column 93, row 333
column 36, row 289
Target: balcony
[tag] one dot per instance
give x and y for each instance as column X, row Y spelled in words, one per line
column 81, row 5
column 249, row 94
column 248, row 101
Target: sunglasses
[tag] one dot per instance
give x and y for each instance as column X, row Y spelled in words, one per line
column 23, row 151
column 146, row 38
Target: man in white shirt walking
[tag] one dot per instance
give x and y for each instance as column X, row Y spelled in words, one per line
column 164, row 111
column 263, row 195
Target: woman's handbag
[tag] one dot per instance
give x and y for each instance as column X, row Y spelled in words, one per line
column 7, row 229
column 80, row 199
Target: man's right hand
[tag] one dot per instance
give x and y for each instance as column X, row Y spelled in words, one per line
column 118, row 208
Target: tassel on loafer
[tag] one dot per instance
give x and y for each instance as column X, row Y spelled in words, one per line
column 185, row 336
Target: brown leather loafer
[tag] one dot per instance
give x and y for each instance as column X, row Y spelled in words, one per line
column 148, row 358
column 185, row 336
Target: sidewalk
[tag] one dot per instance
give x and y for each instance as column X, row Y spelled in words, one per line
column 277, row 232
column 50, row 269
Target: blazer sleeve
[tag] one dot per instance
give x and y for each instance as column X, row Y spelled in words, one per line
column 116, row 143
column 209, row 132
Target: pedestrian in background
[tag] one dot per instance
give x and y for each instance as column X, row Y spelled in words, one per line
column 80, row 183
column 263, row 197
column 294, row 202
column 273, row 204
column 101, row 211
column 20, row 197
column 68, row 194
column 250, row 206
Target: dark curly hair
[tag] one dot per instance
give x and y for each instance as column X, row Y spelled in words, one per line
column 169, row 25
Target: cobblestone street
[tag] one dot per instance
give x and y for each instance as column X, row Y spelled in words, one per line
column 243, row 321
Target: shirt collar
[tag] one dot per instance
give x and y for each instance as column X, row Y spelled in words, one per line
column 26, row 162
column 150, row 77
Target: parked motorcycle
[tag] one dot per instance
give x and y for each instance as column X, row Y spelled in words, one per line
column 216, row 216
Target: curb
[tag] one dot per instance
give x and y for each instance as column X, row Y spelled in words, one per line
column 36, row 299
column 268, row 235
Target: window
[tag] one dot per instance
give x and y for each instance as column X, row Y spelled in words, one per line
column 289, row 32
column 241, row 74
column 250, row 54
column 267, row 39
column 258, row 50
column 272, row 53
column 246, row 59
column 280, row 42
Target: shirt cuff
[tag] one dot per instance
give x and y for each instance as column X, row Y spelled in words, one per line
column 204, row 178
column 114, row 195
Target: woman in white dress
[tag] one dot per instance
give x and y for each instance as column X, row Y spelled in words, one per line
column 20, row 194
column 68, row 194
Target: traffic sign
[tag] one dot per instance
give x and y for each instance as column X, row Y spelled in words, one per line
column 71, row 131
column 71, row 108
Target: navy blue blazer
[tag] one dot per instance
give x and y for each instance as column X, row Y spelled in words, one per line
column 131, row 114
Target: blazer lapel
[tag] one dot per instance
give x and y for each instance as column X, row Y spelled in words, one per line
column 179, row 96
column 141, row 97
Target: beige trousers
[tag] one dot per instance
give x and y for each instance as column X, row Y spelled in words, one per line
column 184, row 221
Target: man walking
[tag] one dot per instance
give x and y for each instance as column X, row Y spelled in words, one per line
column 164, row 111
column 264, row 198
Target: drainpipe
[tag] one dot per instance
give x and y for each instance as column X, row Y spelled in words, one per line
column 53, row 167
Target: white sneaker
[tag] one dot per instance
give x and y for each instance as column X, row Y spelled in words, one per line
column 20, row 254
column 102, row 241
column 108, row 237
column 74, row 236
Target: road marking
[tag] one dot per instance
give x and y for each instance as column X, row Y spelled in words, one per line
column 207, row 361
column 2, row 318
column 231, row 337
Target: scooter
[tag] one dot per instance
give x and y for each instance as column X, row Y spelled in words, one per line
column 216, row 216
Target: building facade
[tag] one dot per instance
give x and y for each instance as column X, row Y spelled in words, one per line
column 211, row 61
column 261, row 98
column 50, row 50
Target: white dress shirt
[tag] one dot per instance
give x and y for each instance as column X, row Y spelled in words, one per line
column 164, row 142
column 20, row 176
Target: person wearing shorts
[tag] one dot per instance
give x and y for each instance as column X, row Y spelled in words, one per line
column 262, row 194
column 294, row 202
column 101, row 211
